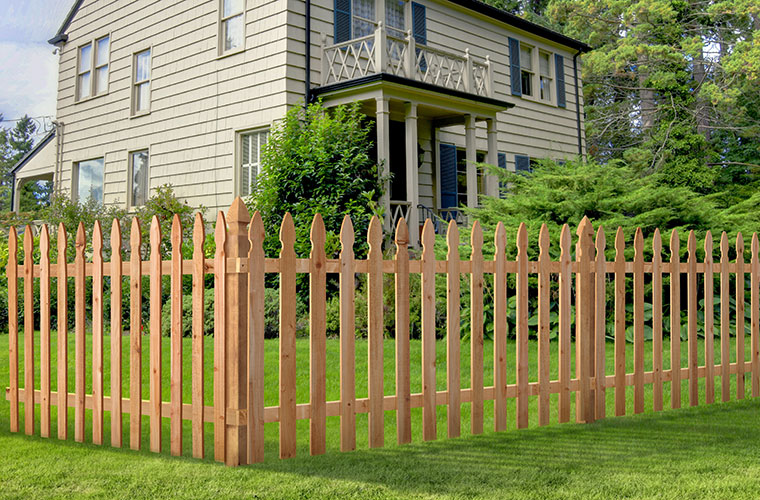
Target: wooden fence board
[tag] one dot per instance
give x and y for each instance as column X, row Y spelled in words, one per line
column 135, row 336
column 675, row 320
column 13, row 326
column 220, row 282
column 620, row 323
column 429, row 431
column 287, row 339
column 638, row 322
column 476, row 329
column 521, row 412
column 28, row 330
column 500, row 329
column 155, row 336
column 709, row 323
column 755, row 317
column 453, row 338
column 317, row 339
column 256, row 341
column 657, row 385
column 739, row 297
column 565, row 291
column 45, row 331
column 584, row 320
column 692, row 320
column 544, row 328
column 199, row 238
column 725, row 315
column 403, row 369
column 97, row 334
column 175, row 380
column 116, row 333
column 375, row 333
column 347, row 338
column 600, row 325
column 79, row 340
column 62, row 361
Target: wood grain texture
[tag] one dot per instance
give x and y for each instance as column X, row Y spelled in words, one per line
column 600, row 325
column 453, row 334
column 198, row 294
column 116, row 334
column 584, row 319
column 709, row 323
column 675, row 319
column 375, row 333
column 256, row 340
column 45, row 331
column 317, row 339
column 175, row 370
column 287, row 339
column 97, row 334
column 154, row 375
column 79, row 340
column 693, row 361
column 135, row 335
column 403, row 370
column 12, row 273
column 476, row 329
column 565, row 293
column 429, row 431
column 29, row 412
column 739, row 297
column 522, row 354
column 544, row 328
column 619, row 323
column 347, row 338
column 638, row 322
column 220, row 281
column 657, row 385
column 62, row 358
column 725, row 324
column 755, row 317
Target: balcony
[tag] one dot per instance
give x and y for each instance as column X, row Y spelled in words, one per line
column 403, row 57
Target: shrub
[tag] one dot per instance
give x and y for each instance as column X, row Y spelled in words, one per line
column 187, row 315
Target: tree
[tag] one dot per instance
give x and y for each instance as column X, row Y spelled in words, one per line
column 14, row 144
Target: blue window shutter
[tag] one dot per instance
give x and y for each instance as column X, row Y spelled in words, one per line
column 342, row 27
column 559, row 66
column 448, row 155
column 502, row 157
column 522, row 163
column 419, row 23
column 514, row 66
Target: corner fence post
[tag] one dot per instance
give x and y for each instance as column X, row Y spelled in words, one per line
column 236, row 344
column 584, row 334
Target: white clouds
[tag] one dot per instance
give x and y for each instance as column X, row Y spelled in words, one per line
column 28, row 79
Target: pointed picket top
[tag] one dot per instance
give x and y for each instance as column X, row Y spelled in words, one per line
column 428, row 236
column 80, row 241
column 476, row 238
column 675, row 243
column 155, row 235
column 402, row 233
column 619, row 243
column 739, row 245
column 601, row 241
column 220, row 233
column 657, row 242
column 135, row 237
column 199, row 234
column 452, row 239
column 522, row 239
column 316, row 235
column 13, row 241
column 115, row 236
column 500, row 240
column 724, row 246
column 176, row 237
column 638, row 244
column 375, row 235
column 691, row 245
column 238, row 212
column 44, row 240
column 97, row 240
column 565, row 241
column 347, row 235
column 62, row 238
column 585, row 227
column 543, row 241
column 28, row 240
column 287, row 232
column 708, row 247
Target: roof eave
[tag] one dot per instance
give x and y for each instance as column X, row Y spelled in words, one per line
column 61, row 36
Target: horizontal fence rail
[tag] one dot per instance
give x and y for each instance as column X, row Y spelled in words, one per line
column 578, row 282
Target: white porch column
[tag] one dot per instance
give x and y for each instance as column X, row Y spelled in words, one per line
column 471, row 157
column 412, row 172
column 492, row 182
column 383, row 157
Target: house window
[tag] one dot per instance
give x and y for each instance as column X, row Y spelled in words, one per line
column 545, row 80
column 526, row 69
column 87, row 86
column 480, row 157
column 88, row 180
column 138, row 178
column 251, row 145
column 232, row 24
column 363, row 18
column 394, row 18
column 141, row 86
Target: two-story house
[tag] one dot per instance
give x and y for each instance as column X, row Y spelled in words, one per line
column 184, row 92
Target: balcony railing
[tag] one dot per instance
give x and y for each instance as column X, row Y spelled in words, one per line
column 404, row 57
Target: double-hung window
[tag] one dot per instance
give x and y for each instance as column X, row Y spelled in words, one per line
column 545, row 76
column 251, row 149
column 394, row 18
column 141, row 83
column 526, row 69
column 232, row 26
column 88, row 180
column 138, row 178
column 93, row 58
column 363, row 18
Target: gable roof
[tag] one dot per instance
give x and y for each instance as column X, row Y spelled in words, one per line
column 476, row 5
column 33, row 152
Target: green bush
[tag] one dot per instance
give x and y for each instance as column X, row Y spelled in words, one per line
column 187, row 315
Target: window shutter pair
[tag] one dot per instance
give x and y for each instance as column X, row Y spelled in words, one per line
column 515, row 72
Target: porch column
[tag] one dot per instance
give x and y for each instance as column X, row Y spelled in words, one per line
column 492, row 182
column 383, row 157
column 412, row 172
column 471, row 158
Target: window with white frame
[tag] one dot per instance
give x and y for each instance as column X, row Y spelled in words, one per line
column 363, row 12
column 138, row 178
column 526, row 69
column 394, row 18
column 232, row 25
column 88, row 180
column 545, row 76
column 90, row 59
column 141, row 83
column 251, row 148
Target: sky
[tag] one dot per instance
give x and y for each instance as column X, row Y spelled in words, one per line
column 28, row 68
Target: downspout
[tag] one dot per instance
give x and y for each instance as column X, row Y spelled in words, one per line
column 577, row 103
column 307, row 53
column 13, row 192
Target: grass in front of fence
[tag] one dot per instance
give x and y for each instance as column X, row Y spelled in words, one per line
column 703, row 452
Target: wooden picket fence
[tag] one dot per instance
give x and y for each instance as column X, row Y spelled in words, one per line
column 239, row 267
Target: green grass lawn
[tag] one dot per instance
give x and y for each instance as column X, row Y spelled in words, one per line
column 704, row 452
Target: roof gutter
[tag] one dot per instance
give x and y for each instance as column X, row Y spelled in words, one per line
column 577, row 104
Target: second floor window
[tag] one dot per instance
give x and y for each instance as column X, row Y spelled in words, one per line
column 252, row 145
column 88, row 180
column 93, row 57
column 526, row 69
column 232, row 25
column 363, row 17
column 545, row 79
column 141, row 85
column 394, row 18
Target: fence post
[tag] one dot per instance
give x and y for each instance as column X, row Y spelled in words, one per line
column 236, row 338
column 584, row 316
